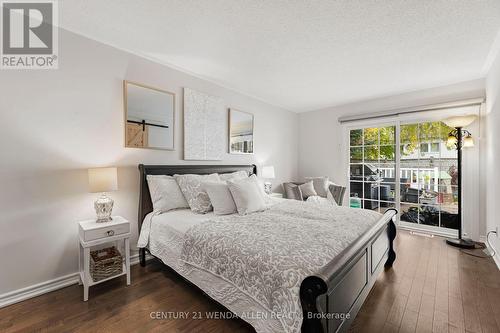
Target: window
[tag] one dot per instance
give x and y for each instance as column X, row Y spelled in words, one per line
column 427, row 180
column 372, row 166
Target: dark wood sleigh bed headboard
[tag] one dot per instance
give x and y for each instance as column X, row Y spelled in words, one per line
column 145, row 204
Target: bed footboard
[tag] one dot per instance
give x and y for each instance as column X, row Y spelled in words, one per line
column 331, row 298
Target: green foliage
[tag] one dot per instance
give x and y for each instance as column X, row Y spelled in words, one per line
column 385, row 138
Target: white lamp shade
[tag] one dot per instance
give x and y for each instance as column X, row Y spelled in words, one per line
column 268, row 172
column 103, row 180
column 468, row 142
column 460, row 121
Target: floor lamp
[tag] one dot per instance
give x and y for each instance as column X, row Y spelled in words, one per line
column 461, row 138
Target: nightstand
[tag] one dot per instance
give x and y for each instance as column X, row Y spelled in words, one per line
column 94, row 234
column 276, row 195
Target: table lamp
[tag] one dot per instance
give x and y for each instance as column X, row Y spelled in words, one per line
column 268, row 173
column 102, row 180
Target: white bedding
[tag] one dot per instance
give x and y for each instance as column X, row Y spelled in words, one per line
column 167, row 236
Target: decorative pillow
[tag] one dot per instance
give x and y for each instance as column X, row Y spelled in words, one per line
column 220, row 197
column 320, row 185
column 165, row 193
column 233, row 175
column 247, row 195
column 336, row 192
column 330, row 198
column 307, row 189
column 292, row 191
column 196, row 196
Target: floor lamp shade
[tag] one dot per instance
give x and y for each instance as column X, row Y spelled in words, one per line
column 460, row 121
column 103, row 180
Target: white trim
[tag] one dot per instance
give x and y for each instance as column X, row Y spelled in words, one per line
column 38, row 289
column 496, row 257
column 423, row 228
column 404, row 111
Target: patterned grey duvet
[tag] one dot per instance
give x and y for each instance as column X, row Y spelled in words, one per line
column 266, row 255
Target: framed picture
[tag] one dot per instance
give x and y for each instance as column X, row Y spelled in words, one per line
column 204, row 126
column 240, row 132
column 149, row 117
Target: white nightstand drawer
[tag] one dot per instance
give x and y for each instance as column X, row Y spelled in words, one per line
column 90, row 230
column 106, row 232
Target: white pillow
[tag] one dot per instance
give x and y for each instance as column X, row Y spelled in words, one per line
column 319, row 201
column 320, row 185
column 233, row 175
column 307, row 190
column 220, row 197
column 247, row 195
column 165, row 193
column 196, row 196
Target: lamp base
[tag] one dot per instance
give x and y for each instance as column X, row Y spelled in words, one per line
column 268, row 187
column 103, row 207
column 461, row 243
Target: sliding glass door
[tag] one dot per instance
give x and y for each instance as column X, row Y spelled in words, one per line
column 428, row 175
column 373, row 167
column 408, row 166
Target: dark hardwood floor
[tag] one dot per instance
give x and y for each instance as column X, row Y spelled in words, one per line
column 431, row 288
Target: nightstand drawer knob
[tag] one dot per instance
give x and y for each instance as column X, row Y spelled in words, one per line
column 110, row 233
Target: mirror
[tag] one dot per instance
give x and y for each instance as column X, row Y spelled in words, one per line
column 240, row 132
column 149, row 117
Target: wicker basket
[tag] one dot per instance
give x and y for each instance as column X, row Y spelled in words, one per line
column 105, row 263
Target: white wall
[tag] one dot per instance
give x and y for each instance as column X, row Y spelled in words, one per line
column 321, row 137
column 491, row 158
column 57, row 123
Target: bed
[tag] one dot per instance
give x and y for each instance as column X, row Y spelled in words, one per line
column 257, row 267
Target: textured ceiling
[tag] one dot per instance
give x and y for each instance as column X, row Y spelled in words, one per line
column 301, row 55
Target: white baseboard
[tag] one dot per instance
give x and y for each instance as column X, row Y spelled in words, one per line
column 496, row 257
column 37, row 289
column 48, row 286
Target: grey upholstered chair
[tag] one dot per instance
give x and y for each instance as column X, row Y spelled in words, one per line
column 292, row 191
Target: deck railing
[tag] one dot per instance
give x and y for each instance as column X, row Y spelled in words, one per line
column 429, row 177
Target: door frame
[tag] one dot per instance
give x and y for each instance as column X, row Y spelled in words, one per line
column 418, row 117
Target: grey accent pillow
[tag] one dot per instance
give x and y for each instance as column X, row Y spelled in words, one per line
column 196, row 196
column 247, row 195
column 320, row 185
column 336, row 192
column 292, row 191
column 220, row 197
column 307, row 189
column 165, row 193
column 233, row 175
